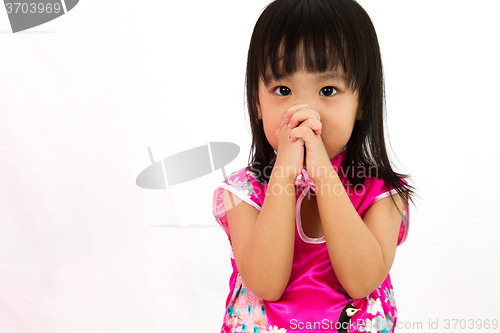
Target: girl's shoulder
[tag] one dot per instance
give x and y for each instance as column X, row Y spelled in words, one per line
column 374, row 189
column 245, row 185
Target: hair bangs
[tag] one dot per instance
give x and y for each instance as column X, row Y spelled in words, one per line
column 304, row 37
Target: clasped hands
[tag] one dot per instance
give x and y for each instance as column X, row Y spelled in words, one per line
column 301, row 129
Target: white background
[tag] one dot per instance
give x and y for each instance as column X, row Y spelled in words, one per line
column 83, row 249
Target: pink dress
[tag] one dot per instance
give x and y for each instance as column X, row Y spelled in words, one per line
column 314, row 300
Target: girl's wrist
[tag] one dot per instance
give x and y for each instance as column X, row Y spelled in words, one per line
column 324, row 174
column 285, row 173
column 280, row 185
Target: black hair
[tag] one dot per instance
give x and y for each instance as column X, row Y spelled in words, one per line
column 319, row 35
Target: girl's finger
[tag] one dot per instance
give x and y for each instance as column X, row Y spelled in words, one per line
column 289, row 113
column 278, row 131
column 304, row 133
column 314, row 124
column 302, row 115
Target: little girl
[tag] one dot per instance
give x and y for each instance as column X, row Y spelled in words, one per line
column 315, row 218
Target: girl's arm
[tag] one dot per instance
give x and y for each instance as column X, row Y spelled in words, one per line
column 361, row 250
column 263, row 241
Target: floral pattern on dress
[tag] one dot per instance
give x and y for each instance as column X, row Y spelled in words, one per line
column 379, row 318
column 254, row 176
column 245, row 311
column 243, row 186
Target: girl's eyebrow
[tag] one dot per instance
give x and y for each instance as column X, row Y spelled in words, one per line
column 331, row 75
column 323, row 76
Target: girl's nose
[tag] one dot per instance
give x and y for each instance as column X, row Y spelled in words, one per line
column 298, row 101
column 303, row 98
column 307, row 102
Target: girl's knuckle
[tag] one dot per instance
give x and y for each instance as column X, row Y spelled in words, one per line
column 299, row 131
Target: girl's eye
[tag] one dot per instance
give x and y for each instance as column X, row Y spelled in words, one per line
column 328, row 91
column 283, row 91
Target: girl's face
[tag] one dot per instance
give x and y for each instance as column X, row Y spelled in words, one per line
column 324, row 92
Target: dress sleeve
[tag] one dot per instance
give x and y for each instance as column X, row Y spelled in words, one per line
column 380, row 190
column 240, row 183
